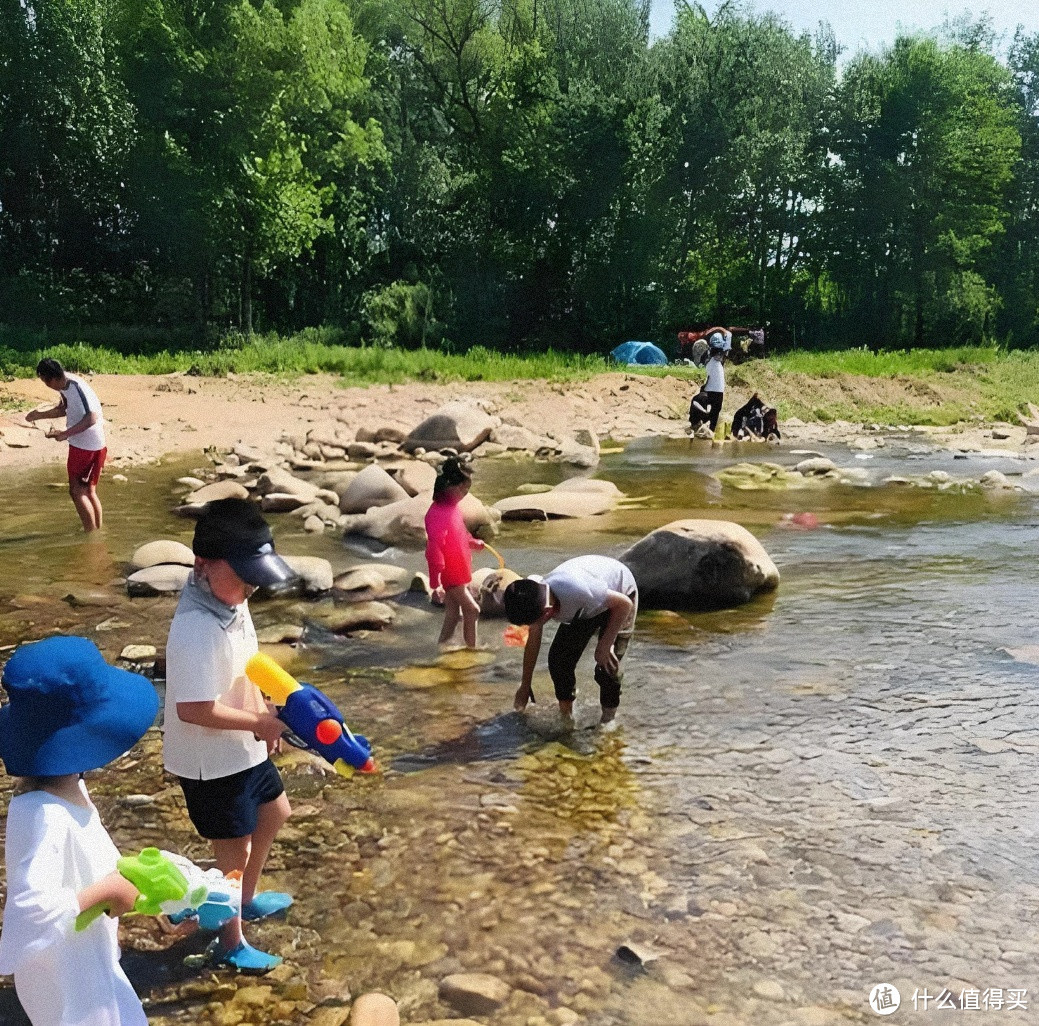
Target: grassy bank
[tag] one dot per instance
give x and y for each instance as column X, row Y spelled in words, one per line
column 924, row 386
column 306, row 353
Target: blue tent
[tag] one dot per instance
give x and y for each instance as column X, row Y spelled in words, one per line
column 640, row 352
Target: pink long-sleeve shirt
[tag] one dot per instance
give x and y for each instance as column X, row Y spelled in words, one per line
column 448, row 544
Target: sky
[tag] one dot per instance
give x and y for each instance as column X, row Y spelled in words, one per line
column 868, row 23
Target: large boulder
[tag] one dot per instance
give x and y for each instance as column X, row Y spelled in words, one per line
column 474, row 993
column 372, row 487
column 162, row 579
column 414, row 476
column 700, row 564
column 156, row 553
column 459, row 425
column 571, row 499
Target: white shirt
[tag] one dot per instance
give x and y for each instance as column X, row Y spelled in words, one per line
column 79, row 399
column 715, row 375
column 206, row 652
column 580, row 585
column 54, row 850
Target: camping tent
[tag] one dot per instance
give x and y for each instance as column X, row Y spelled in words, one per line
column 639, row 352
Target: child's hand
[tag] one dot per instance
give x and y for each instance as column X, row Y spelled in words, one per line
column 437, row 598
column 606, row 658
column 475, row 543
column 269, row 728
column 114, row 891
column 56, row 434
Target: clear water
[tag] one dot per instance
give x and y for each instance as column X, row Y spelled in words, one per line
column 827, row 789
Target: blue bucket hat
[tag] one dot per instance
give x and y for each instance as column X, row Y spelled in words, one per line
column 68, row 710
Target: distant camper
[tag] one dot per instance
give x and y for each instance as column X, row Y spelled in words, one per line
column 756, row 421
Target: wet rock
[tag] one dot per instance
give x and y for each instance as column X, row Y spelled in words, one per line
column 516, row 438
column 636, row 953
column 362, row 451
column 488, row 588
column 770, row 990
column 759, row 477
column 278, row 481
column 281, row 502
column 373, row 486
column 403, row 523
column 993, row 480
column 571, row 499
column 360, row 616
column 313, row 524
column 167, row 578
column 315, row 572
column 414, row 476
column 458, row 425
column 474, row 993
column 215, row 491
column 156, row 553
column 372, row 581
column 700, row 564
column 277, row 633
column 138, row 653
column 817, row 466
column 194, row 483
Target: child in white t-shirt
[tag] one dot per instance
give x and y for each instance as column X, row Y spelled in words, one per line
column 68, row 712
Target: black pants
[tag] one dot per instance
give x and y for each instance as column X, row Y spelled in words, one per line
column 716, row 407
column 567, row 648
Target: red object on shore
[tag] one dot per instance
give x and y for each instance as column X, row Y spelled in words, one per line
column 805, row 521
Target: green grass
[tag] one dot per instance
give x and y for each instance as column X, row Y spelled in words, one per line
column 921, row 386
column 301, row 354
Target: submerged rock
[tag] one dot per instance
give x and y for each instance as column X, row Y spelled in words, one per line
column 578, row 497
column 316, row 573
column 474, row 993
column 700, row 564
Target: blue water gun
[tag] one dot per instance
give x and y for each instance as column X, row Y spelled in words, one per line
column 313, row 716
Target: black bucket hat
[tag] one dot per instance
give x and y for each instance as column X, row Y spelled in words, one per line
column 234, row 530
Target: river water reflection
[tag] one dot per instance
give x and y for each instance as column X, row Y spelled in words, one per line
column 826, row 790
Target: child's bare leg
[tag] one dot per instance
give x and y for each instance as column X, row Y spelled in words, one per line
column 231, row 854
column 452, row 614
column 270, row 818
column 470, row 615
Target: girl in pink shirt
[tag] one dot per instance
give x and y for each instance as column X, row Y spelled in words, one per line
column 448, row 545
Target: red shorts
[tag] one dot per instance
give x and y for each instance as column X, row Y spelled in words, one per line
column 84, row 465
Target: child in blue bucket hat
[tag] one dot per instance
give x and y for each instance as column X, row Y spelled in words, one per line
column 68, row 712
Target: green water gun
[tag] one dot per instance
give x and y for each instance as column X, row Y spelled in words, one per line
column 169, row 884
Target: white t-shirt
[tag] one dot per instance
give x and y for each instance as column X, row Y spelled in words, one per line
column 80, row 399
column 206, row 652
column 580, row 586
column 54, row 850
column 715, row 375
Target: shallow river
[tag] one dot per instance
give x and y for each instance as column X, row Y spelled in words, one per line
column 826, row 790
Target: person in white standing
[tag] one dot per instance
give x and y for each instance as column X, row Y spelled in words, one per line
column 85, row 433
column 720, row 342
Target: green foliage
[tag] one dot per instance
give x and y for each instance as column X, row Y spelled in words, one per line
column 524, row 174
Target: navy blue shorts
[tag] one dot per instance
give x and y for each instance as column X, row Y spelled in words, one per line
column 227, row 807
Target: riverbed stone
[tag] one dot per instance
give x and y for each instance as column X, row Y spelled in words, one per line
column 316, row 573
column 279, row 633
column 459, row 425
column 403, row 523
column 279, row 481
column 816, row 466
column 138, row 653
column 372, row 581
column 359, row 616
column 700, row 564
column 414, row 476
column 216, row 491
column 163, row 579
column 373, row 486
column 156, row 553
column 474, row 993
column 281, row 502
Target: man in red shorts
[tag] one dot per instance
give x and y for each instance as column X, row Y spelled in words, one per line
column 85, row 433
